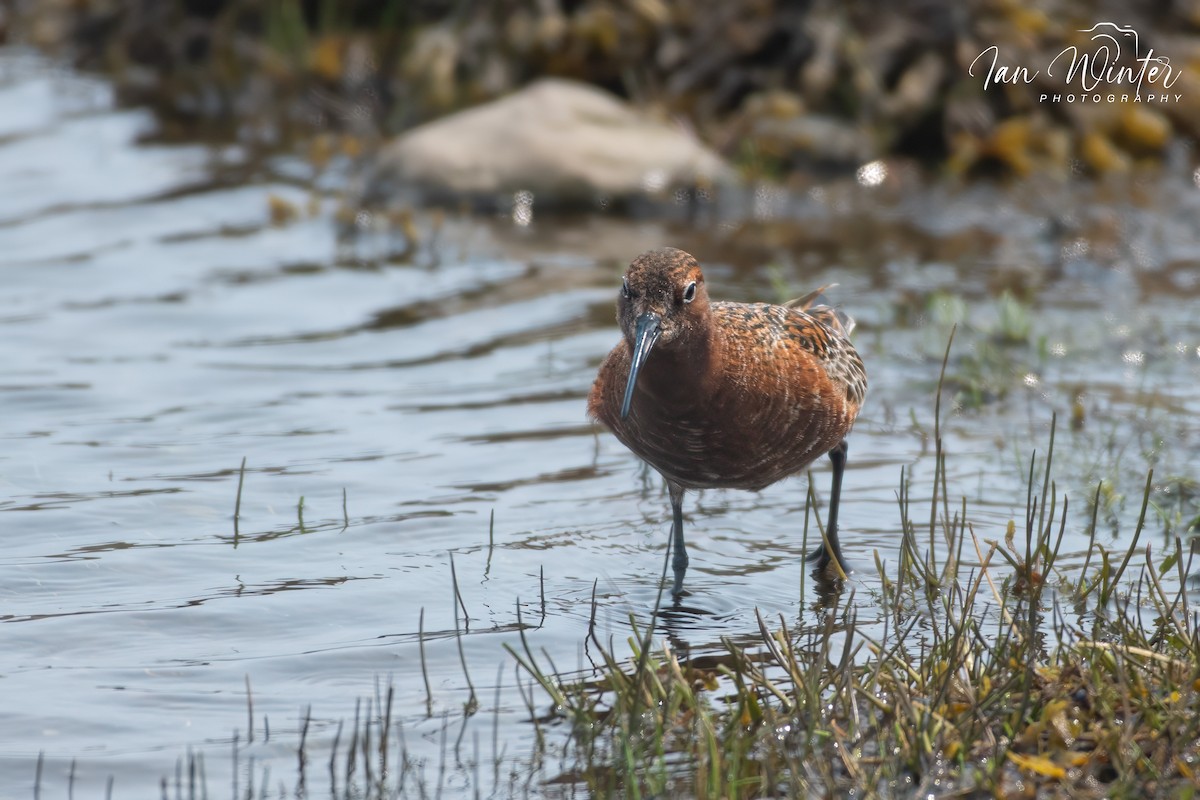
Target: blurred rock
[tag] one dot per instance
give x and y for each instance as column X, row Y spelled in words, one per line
column 566, row 142
column 1143, row 130
column 812, row 139
column 1102, row 155
column 917, row 87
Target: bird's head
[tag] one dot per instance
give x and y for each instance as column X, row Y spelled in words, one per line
column 663, row 303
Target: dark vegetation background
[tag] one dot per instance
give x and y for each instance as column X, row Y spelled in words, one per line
column 776, row 87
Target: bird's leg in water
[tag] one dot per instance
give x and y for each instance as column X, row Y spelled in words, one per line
column 834, row 551
column 679, row 559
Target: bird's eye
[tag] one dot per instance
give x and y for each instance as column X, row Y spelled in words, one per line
column 625, row 289
column 689, row 294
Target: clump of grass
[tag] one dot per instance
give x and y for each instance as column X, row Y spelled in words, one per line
column 997, row 671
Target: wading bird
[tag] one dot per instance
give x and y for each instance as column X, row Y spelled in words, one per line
column 717, row 394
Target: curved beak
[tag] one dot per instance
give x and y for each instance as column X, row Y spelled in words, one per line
column 649, row 326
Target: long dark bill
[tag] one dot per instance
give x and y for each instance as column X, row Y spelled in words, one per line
column 649, row 326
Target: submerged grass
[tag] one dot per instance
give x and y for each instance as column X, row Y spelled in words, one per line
column 996, row 672
column 1029, row 684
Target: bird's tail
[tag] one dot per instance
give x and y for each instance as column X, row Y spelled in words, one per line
column 816, row 306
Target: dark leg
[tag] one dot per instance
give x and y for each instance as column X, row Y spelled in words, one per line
column 823, row 556
column 679, row 560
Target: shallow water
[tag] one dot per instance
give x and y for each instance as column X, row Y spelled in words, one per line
column 389, row 400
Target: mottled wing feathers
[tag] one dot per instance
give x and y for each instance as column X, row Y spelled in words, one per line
column 820, row 331
column 815, row 306
column 810, row 299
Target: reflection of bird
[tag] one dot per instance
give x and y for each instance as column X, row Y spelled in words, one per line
column 726, row 395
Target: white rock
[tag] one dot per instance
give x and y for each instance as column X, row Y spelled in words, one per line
column 566, row 142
